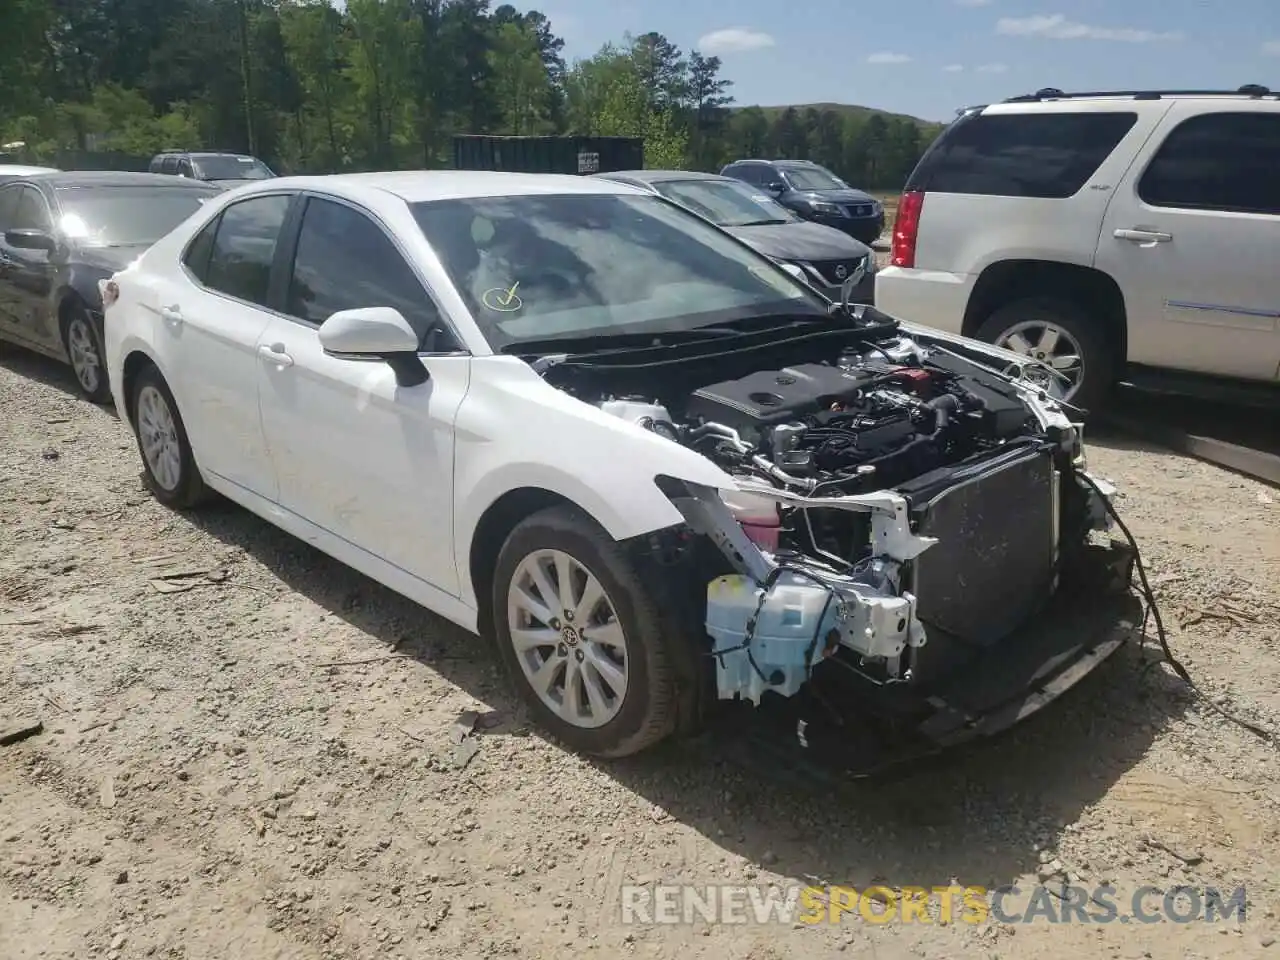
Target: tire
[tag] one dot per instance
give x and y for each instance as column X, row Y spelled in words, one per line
column 1099, row 357
column 83, row 346
column 170, row 471
column 645, row 711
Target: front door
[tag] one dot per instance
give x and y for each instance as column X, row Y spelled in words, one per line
column 1191, row 237
column 366, row 460
column 29, row 274
column 8, row 309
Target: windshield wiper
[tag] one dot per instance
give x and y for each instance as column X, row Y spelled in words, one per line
column 761, row 223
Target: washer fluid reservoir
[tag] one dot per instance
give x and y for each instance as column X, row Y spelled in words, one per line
column 790, row 636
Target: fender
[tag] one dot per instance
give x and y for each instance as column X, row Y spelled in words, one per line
column 634, row 508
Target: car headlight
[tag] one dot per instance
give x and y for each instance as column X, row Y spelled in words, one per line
column 822, row 206
column 877, row 207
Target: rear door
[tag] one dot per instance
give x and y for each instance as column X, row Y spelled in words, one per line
column 211, row 315
column 1017, row 182
column 1192, row 237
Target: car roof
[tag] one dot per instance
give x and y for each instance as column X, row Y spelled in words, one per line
column 203, row 153
column 420, row 186
column 24, row 170
column 1049, row 99
column 662, row 176
column 119, row 178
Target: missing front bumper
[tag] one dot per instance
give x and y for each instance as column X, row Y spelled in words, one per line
column 842, row 726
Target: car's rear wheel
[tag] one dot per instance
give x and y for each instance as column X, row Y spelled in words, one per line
column 1065, row 338
column 84, row 352
column 581, row 636
column 167, row 461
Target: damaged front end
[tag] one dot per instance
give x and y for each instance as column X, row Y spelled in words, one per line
column 909, row 515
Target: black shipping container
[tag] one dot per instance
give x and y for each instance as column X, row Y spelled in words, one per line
column 575, row 155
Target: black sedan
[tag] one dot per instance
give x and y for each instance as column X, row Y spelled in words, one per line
column 815, row 193
column 827, row 257
column 60, row 233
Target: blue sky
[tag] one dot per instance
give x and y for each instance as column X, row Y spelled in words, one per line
column 929, row 57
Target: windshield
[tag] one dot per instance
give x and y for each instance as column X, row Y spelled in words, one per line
column 729, row 203
column 127, row 216
column 813, row 178
column 544, row 266
column 231, row 168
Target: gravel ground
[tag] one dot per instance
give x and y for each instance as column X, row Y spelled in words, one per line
column 258, row 759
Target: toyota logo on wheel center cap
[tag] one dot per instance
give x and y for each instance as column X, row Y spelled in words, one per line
column 570, row 636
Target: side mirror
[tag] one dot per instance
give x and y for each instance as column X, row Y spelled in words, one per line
column 776, row 186
column 380, row 332
column 25, row 239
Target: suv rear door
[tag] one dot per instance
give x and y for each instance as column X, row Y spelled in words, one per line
column 1024, row 182
column 1191, row 237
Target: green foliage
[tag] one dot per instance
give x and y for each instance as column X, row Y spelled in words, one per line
column 376, row 84
column 613, row 96
column 521, row 83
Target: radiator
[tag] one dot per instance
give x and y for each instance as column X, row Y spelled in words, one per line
column 995, row 561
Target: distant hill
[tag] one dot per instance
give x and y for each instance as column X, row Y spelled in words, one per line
column 847, row 110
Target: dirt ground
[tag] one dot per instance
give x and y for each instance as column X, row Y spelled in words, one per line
column 258, row 759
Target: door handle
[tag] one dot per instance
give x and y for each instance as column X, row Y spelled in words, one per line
column 1148, row 238
column 171, row 315
column 275, row 354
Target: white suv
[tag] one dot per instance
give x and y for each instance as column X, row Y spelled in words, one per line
column 1110, row 234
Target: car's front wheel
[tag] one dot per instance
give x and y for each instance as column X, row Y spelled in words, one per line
column 167, row 461
column 582, row 637
column 84, row 352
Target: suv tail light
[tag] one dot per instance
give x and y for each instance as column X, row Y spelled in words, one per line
column 905, row 229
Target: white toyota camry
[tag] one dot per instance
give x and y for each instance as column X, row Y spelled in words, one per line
column 658, row 468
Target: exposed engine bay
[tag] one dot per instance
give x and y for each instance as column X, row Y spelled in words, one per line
column 895, row 494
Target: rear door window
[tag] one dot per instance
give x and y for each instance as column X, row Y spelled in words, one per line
column 200, row 249
column 169, row 165
column 1043, row 155
column 1219, row 161
column 245, row 246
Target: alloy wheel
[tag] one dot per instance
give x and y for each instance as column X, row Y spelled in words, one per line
column 568, row 640
column 158, row 437
column 83, row 353
column 1053, row 346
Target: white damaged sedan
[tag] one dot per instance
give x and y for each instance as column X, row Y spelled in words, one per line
column 657, row 468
